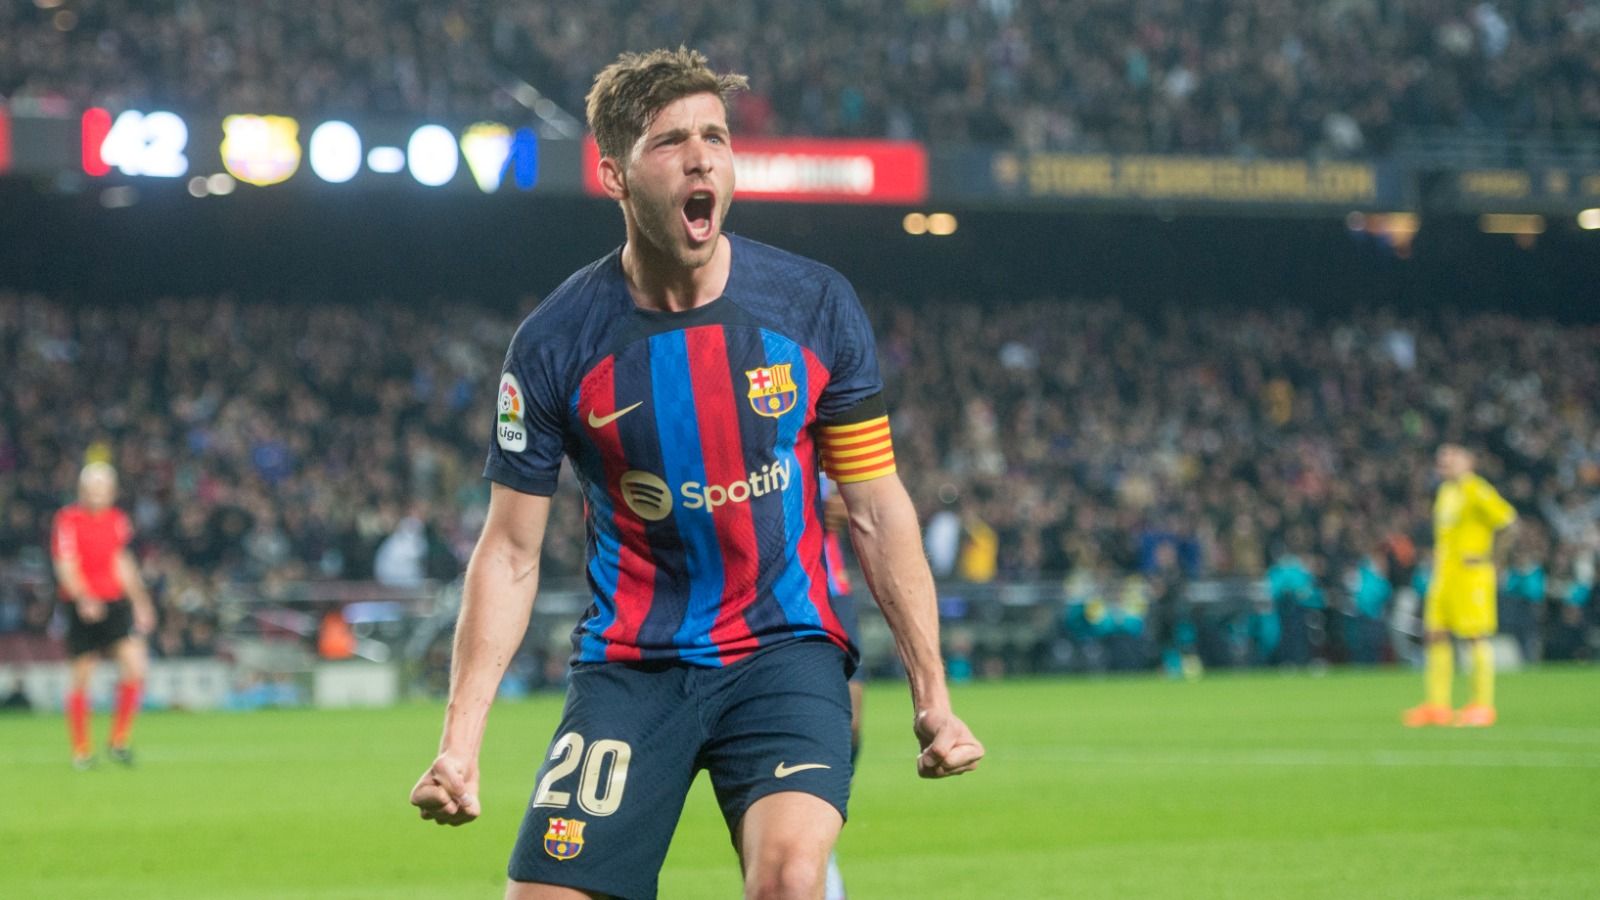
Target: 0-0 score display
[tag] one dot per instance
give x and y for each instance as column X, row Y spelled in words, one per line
column 265, row 150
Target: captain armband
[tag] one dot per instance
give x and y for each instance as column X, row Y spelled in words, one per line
column 859, row 451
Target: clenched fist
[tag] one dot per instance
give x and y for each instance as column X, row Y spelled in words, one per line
column 948, row 745
column 448, row 792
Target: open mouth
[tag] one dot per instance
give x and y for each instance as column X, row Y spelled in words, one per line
column 698, row 211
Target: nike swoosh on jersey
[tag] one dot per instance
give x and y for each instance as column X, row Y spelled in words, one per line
column 784, row 771
column 602, row 421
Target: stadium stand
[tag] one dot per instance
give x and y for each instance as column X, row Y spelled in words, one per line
column 1261, row 77
column 266, row 443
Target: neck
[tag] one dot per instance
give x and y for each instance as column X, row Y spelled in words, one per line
column 659, row 282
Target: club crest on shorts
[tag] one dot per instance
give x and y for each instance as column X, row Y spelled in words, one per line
column 509, row 428
column 564, row 838
column 772, row 389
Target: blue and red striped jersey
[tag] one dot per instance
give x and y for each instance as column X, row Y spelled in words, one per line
column 695, row 439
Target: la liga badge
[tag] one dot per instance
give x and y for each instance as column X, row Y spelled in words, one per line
column 510, row 429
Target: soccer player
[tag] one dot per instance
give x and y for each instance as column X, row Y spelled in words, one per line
column 1467, row 512
column 695, row 380
column 108, row 608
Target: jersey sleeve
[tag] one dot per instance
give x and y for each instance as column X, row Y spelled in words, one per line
column 1495, row 510
column 525, row 451
column 852, row 420
column 123, row 528
column 854, row 391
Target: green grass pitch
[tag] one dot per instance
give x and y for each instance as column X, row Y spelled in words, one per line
column 1262, row 785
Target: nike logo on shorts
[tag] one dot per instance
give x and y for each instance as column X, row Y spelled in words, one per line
column 602, row 421
column 784, row 771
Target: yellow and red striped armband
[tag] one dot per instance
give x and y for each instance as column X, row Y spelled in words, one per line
column 860, row 451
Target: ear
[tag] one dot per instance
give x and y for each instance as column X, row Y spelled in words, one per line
column 612, row 178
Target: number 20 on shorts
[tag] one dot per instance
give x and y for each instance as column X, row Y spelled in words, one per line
column 600, row 783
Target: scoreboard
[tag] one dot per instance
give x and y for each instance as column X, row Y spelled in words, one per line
column 213, row 153
column 270, row 150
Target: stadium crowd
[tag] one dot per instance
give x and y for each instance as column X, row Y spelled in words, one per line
column 1275, row 448
column 267, row 444
column 1264, row 77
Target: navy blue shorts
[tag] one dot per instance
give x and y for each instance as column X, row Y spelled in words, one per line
column 633, row 736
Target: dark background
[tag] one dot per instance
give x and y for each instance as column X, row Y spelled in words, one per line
column 303, row 246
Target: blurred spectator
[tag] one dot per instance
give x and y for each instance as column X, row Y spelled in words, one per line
column 403, row 555
column 1295, row 597
column 1367, row 623
column 1574, row 595
column 1177, row 634
column 1523, row 599
column 1122, row 625
column 335, row 639
column 942, row 538
column 1264, row 631
column 980, row 549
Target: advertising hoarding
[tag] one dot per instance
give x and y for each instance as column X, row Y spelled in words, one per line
column 813, row 170
column 1057, row 179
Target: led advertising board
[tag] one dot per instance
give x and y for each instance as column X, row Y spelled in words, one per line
column 813, row 170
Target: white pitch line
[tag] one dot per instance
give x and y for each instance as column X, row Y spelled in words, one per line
column 1307, row 758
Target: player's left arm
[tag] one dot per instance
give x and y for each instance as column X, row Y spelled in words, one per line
column 888, row 544
column 858, row 454
column 144, row 610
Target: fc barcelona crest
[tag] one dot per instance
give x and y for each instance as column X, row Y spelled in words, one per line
column 564, row 838
column 772, row 390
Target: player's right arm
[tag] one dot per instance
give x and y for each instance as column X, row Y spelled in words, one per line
column 497, row 599
column 69, row 575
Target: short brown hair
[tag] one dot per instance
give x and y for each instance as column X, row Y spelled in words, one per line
column 629, row 93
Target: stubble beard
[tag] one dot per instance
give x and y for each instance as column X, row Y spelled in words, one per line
column 660, row 223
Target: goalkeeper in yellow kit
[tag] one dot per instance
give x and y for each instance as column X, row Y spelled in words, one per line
column 1461, row 594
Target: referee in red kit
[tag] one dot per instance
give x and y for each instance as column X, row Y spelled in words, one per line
column 108, row 608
